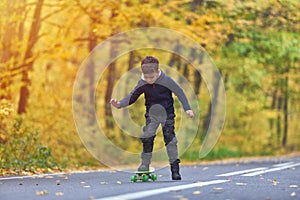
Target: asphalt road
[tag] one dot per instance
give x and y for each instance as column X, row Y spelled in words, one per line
column 261, row 179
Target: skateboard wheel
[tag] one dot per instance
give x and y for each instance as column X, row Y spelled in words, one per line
column 133, row 179
column 153, row 177
column 145, row 178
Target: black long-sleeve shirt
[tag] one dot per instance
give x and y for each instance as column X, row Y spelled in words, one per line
column 159, row 92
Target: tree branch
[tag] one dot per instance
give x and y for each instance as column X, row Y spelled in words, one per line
column 85, row 10
column 50, row 14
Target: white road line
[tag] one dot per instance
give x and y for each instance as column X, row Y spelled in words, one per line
column 32, row 176
column 11, row 178
column 272, row 170
column 242, row 172
column 283, row 164
column 147, row 193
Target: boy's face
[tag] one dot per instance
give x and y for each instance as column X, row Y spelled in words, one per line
column 152, row 77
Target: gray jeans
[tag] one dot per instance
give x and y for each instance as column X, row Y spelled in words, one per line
column 149, row 133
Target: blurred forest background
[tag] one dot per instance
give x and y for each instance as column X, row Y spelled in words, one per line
column 255, row 44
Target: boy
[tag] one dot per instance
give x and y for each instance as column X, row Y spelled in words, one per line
column 157, row 88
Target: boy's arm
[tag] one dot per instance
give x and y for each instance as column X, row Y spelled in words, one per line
column 178, row 91
column 190, row 113
column 115, row 103
column 130, row 99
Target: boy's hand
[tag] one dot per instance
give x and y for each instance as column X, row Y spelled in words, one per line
column 190, row 113
column 115, row 103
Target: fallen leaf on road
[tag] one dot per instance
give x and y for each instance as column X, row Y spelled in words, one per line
column 59, row 193
column 293, row 194
column 39, row 176
column 40, row 193
column 218, row 188
column 197, row 192
column 180, row 197
column 241, row 183
column 293, row 186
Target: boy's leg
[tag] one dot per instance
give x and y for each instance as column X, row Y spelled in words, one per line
column 171, row 145
column 147, row 139
column 146, row 154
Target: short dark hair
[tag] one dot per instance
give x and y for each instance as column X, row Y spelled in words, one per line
column 149, row 64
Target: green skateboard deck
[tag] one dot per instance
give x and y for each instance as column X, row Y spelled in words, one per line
column 144, row 175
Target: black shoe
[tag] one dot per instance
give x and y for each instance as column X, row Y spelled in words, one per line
column 176, row 176
column 175, row 170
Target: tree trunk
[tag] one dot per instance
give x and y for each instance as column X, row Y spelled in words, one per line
column 285, row 112
column 131, row 61
column 186, row 71
column 175, row 59
column 213, row 102
column 272, row 120
column 197, row 75
column 33, row 38
column 198, row 80
column 7, row 40
column 109, row 88
column 90, row 73
column 278, row 123
column 111, row 76
column 195, row 3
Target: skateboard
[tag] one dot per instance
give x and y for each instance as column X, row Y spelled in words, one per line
column 144, row 175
